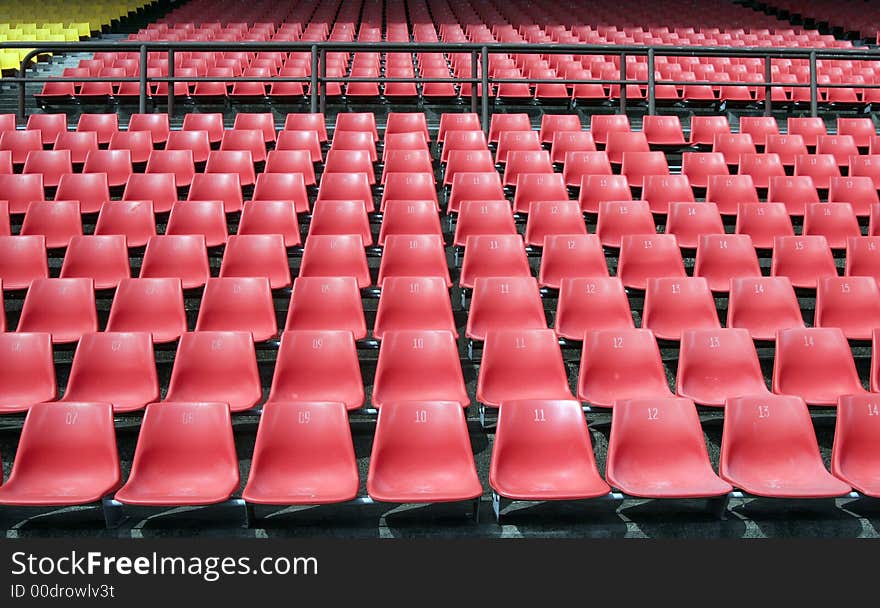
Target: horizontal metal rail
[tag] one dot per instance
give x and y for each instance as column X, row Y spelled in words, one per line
column 479, row 53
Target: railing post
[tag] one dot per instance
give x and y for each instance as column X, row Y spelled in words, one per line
column 22, row 91
column 313, row 88
column 622, row 85
column 814, row 90
column 171, row 85
column 484, row 72
column 768, row 90
column 322, row 66
column 142, row 91
column 652, row 94
column 474, row 69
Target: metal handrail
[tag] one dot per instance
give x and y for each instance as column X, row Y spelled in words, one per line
column 479, row 53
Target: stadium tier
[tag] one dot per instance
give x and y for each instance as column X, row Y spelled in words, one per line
column 472, row 288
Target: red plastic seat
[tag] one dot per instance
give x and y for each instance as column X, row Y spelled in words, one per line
column 591, row 303
column 516, row 141
column 244, row 141
column 555, row 123
column 115, row 163
column 543, row 451
column 636, row 166
column 673, row 305
column 759, row 127
column 520, row 162
column 698, row 167
column 609, row 355
column 473, row 187
column 104, row 259
column 303, row 455
column 538, row 187
column 551, row 218
column 27, row 373
column 22, row 260
column 346, row 187
column 407, row 161
column 763, row 305
column 242, row 304
column 20, row 143
column 409, row 186
column 159, row 188
column 199, row 217
column 66, row 456
column 318, row 365
column 507, row 122
column 262, row 121
column 357, row 121
column 493, row 256
column 183, row 257
column 210, row 122
column 283, row 187
column 521, row 364
column 306, row 141
column 862, row 130
column 657, row 450
column 180, row 163
column 728, row 191
column 483, row 218
column 350, row 161
column 214, row 365
column 724, row 257
column 414, row 255
column 270, row 217
column 857, row 191
column 196, row 142
column 440, row 469
column 865, row 166
column 185, row 455
column 64, row 308
column 662, row 190
column 49, row 126
column 803, row 259
column 618, row 219
column 51, row 164
column 6, row 162
column 601, row 125
column 417, row 365
column 336, row 256
column 570, row 141
column 409, row 217
column 116, row 368
column 769, row 448
column 21, row 190
column 732, row 145
column 224, row 187
column 815, row 364
column 463, row 140
column 787, row 147
column 863, row 257
column 648, row 256
column 689, row 222
column 821, row 167
column 156, row 124
column 795, row 192
column 339, row 218
column 597, row 189
column 718, row 364
column 854, row 456
column 307, row 122
column 90, row 189
column 294, row 161
column 467, row 161
column 355, row 140
column 257, row 255
column 103, row 125
column 153, row 306
column 5, row 228
column 568, row 256
column 704, row 129
column 138, row 143
column 132, row 219
column 413, row 303
column 623, row 142
column 810, row 128
column 326, row 303
column 406, row 122
column 763, row 222
column 839, row 146
column 58, row 221
column 504, row 303
column 450, row 122
column 837, row 222
column 663, row 130
column 761, row 167
column 851, row 304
